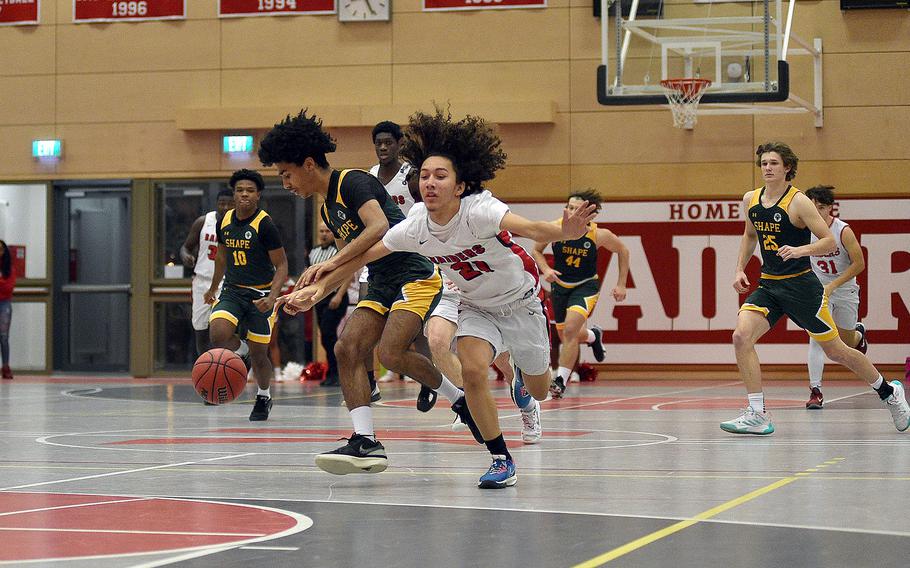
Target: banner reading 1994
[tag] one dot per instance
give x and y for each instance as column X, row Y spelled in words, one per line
column 127, row 10
column 239, row 8
column 18, row 12
column 442, row 5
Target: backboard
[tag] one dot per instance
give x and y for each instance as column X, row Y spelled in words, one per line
column 743, row 47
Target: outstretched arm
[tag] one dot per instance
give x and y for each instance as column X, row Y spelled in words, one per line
column 305, row 298
column 573, row 226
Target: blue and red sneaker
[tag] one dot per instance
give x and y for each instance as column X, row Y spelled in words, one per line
column 501, row 474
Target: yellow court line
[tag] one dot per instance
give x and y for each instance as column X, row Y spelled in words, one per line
column 675, row 528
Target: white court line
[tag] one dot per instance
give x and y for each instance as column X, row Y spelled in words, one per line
column 114, row 531
column 302, row 523
column 279, row 548
column 651, row 395
column 24, row 511
column 124, row 472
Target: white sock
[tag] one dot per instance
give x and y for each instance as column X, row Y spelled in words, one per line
column 757, row 401
column 264, row 392
column 816, row 363
column 243, row 350
column 362, row 417
column 450, row 391
column 564, row 373
column 878, row 384
column 591, row 337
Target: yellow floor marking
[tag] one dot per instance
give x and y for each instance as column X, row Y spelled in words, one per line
column 675, row 528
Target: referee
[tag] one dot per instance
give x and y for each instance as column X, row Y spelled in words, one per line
column 331, row 309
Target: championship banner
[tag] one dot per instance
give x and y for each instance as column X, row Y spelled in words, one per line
column 127, row 11
column 19, row 12
column 681, row 307
column 448, row 5
column 244, row 8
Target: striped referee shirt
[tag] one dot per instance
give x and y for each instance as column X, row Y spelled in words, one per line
column 321, row 254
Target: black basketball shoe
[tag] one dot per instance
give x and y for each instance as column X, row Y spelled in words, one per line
column 261, row 408
column 359, row 455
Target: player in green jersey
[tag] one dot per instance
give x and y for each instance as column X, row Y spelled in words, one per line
column 781, row 220
column 575, row 287
column 252, row 261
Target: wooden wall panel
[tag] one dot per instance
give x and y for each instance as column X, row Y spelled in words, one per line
column 27, row 99
column 115, row 148
column 483, row 82
column 619, row 182
column 27, row 50
column 493, row 35
column 146, row 46
column 306, row 86
column 293, row 42
column 16, row 162
column 118, row 87
column 648, row 136
column 854, row 133
column 133, row 97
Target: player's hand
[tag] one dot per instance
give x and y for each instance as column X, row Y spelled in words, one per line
column 300, row 300
column 188, row 260
column 829, row 289
column 619, row 293
column 574, row 226
column 550, row 275
column 317, row 271
column 209, row 296
column 299, row 284
column 741, row 282
column 787, row 252
column 265, row 305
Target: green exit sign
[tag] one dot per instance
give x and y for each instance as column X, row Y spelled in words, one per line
column 237, row 144
column 47, row 148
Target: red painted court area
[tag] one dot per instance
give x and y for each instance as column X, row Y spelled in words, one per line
column 50, row 526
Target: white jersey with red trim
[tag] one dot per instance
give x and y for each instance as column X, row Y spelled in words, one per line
column 397, row 188
column 208, row 248
column 489, row 268
column 830, row 266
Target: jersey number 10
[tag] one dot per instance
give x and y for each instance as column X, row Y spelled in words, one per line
column 239, row 258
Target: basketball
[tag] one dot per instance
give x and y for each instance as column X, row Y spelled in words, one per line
column 219, row 376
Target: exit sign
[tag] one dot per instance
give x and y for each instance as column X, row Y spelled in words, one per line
column 47, row 148
column 237, row 144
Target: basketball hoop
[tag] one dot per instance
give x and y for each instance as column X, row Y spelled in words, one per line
column 683, row 96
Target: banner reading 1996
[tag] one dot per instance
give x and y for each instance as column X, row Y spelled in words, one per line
column 442, row 5
column 127, row 10
column 239, row 8
column 18, row 12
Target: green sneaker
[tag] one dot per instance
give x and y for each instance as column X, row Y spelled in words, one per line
column 750, row 422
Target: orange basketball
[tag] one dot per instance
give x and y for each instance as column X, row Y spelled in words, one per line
column 219, row 376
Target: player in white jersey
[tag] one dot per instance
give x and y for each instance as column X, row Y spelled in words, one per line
column 198, row 252
column 837, row 272
column 467, row 232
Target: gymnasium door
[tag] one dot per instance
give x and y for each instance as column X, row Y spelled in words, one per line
column 92, row 278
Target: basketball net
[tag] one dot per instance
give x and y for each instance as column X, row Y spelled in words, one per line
column 683, row 96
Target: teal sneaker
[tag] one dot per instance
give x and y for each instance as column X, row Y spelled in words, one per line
column 519, row 393
column 750, row 422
